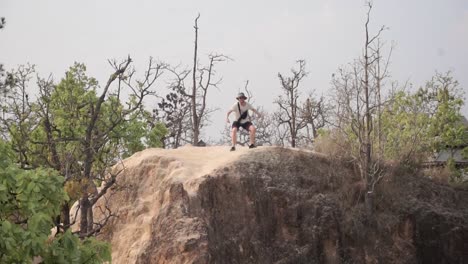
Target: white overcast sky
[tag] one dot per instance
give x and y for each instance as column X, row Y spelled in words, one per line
column 263, row 38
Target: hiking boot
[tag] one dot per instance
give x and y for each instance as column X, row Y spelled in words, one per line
column 252, row 146
column 233, row 148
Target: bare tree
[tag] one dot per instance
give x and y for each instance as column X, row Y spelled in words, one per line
column 195, row 117
column 380, row 71
column 265, row 128
column 357, row 101
column 184, row 109
column 202, row 81
column 314, row 112
column 289, row 113
column 369, row 58
column 281, row 135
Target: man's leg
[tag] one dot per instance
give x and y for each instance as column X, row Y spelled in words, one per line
column 252, row 131
column 234, row 136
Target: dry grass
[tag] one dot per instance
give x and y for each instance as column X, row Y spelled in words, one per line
column 335, row 145
column 438, row 174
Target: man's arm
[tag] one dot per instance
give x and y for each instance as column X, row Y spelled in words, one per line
column 227, row 116
column 256, row 112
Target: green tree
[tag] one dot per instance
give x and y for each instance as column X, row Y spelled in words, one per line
column 29, row 200
column 84, row 134
column 81, row 130
column 446, row 127
column 426, row 121
column 405, row 124
column 139, row 132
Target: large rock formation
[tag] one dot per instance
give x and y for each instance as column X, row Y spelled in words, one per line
column 277, row 205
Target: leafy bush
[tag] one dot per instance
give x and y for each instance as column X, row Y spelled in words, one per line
column 29, row 200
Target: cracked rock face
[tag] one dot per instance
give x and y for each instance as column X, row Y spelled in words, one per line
column 267, row 205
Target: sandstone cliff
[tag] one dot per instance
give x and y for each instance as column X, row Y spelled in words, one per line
column 276, row 205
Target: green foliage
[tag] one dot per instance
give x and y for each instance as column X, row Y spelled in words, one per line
column 68, row 107
column 67, row 248
column 138, row 132
column 29, row 201
column 54, row 134
column 455, row 174
column 156, row 135
column 71, row 101
column 137, row 135
column 323, row 132
column 444, row 100
column 405, row 126
column 429, row 120
column 446, row 126
column 465, row 153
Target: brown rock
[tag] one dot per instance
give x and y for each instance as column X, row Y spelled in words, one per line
column 274, row 205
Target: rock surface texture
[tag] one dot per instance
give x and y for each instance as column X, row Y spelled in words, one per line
column 277, row 205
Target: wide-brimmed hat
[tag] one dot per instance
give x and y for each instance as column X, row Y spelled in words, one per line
column 241, row 95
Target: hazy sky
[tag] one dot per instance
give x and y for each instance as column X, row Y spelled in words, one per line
column 263, row 38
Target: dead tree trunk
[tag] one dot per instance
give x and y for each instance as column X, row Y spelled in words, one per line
column 195, row 118
column 366, row 144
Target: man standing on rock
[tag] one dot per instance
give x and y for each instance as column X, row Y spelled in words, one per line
column 241, row 110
